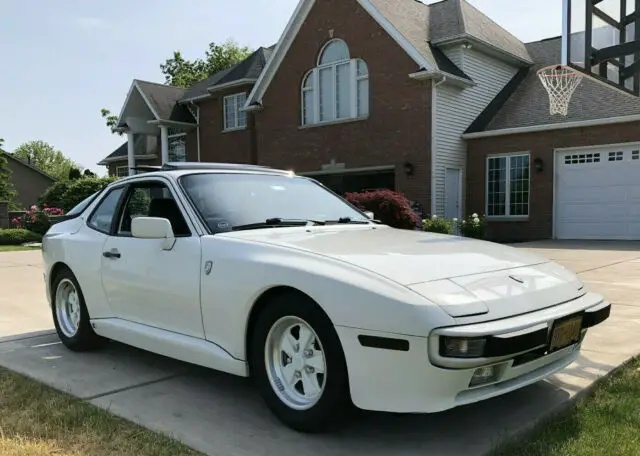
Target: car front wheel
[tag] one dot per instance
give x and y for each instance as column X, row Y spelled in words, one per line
column 299, row 366
column 70, row 314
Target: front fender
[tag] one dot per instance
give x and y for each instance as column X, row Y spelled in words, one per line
column 351, row 296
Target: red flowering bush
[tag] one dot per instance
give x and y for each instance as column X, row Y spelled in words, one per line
column 36, row 220
column 391, row 208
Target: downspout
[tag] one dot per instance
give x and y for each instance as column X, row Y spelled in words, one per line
column 198, row 129
column 434, row 143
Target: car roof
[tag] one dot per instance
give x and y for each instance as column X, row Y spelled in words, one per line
column 184, row 168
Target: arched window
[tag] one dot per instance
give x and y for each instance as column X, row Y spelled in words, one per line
column 337, row 88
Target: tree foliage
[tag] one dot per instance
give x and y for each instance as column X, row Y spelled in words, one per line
column 181, row 72
column 391, row 208
column 184, row 73
column 7, row 191
column 66, row 195
column 46, row 158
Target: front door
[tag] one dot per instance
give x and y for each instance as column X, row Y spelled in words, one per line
column 144, row 283
column 452, row 194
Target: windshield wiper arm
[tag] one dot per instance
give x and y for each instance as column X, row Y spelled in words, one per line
column 346, row 220
column 278, row 222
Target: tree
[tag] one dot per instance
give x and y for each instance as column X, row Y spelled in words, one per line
column 46, row 158
column 184, row 73
column 7, row 192
column 89, row 173
column 74, row 173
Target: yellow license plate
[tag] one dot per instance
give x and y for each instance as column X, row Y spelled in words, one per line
column 566, row 333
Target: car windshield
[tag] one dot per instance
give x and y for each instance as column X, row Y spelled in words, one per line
column 82, row 205
column 251, row 201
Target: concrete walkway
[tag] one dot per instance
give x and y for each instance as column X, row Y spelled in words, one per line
column 222, row 415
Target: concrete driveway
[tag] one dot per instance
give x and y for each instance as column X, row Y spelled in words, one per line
column 222, row 415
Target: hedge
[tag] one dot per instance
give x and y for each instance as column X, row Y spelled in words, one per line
column 66, row 195
column 18, row 237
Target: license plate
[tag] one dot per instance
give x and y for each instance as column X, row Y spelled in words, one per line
column 565, row 333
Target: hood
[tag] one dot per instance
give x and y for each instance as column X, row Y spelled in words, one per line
column 406, row 257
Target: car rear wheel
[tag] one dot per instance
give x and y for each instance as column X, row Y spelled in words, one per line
column 298, row 364
column 70, row 314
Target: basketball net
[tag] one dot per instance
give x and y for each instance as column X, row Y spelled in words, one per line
column 560, row 82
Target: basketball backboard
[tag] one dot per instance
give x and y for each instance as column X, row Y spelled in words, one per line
column 599, row 40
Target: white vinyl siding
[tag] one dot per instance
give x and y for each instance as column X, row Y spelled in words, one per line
column 457, row 108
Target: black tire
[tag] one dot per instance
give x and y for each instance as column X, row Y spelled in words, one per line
column 334, row 405
column 85, row 338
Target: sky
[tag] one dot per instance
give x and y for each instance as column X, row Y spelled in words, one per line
column 63, row 61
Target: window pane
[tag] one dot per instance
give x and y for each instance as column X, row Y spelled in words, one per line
column 177, row 149
column 307, row 100
column 241, row 115
column 497, row 186
column 103, row 216
column 327, row 100
column 363, row 70
column 519, row 185
column 343, row 90
column 229, row 112
column 334, row 52
column 363, row 97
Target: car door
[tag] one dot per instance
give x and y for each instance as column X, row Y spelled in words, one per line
column 144, row 283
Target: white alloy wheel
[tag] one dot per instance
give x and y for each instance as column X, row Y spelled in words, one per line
column 295, row 363
column 67, row 305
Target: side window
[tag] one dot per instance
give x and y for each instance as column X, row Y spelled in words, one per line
column 102, row 217
column 152, row 199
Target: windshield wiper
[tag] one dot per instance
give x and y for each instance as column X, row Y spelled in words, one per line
column 278, row 222
column 346, row 220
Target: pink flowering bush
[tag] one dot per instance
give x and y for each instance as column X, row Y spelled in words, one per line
column 37, row 220
column 391, row 208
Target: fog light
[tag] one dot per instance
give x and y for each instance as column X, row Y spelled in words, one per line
column 484, row 375
column 453, row 347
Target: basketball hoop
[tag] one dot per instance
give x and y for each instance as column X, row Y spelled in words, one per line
column 560, row 81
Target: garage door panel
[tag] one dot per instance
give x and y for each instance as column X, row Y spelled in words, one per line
column 598, row 194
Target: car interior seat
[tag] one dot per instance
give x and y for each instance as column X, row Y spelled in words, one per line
column 168, row 208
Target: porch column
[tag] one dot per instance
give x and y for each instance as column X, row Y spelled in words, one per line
column 131, row 158
column 164, row 140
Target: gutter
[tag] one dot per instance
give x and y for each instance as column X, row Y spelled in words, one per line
column 465, row 37
column 558, row 126
column 425, row 75
column 227, row 85
column 434, row 143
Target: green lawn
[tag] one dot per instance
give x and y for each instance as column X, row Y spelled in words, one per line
column 36, row 420
column 16, row 248
column 605, row 424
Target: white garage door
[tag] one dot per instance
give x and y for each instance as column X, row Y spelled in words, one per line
column 598, row 193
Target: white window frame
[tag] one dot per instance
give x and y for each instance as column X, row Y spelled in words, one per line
column 507, row 208
column 237, row 106
column 170, row 138
column 313, row 76
column 126, row 171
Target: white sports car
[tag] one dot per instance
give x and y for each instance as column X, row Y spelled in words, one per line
column 259, row 272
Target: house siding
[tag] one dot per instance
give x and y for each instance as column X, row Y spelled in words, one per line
column 541, row 145
column 397, row 129
column 457, row 108
column 28, row 183
column 217, row 145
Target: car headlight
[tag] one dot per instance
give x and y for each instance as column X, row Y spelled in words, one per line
column 462, row 347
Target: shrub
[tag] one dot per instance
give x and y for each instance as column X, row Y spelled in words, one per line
column 474, row 226
column 437, row 225
column 391, row 208
column 18, row 237
column 54, row 195
column 37, row 220
column 80, row 189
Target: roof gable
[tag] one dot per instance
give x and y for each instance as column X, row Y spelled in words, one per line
column 26, row 164
column 410, row 37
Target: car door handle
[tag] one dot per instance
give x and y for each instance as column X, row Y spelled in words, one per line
column 111, row 254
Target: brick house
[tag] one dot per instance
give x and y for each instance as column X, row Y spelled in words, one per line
column 436, row 101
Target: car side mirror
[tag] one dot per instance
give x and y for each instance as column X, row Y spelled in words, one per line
column 153, row 228
column 369, row 214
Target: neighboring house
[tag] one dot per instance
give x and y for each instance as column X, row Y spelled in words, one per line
column 436, row 101
column 28, row 181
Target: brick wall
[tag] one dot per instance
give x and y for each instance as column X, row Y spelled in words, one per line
column 398, row 127
column 539, row 145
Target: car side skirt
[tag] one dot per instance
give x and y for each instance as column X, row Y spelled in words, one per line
column 184, row 348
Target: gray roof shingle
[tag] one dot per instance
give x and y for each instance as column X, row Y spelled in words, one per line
column 163, row 99
column 249, row 68
column 529, row 106
column 143, row 145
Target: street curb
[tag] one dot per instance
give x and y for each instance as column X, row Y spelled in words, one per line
column 557, row 411
column 24, row 336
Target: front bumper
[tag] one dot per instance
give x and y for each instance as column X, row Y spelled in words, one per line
column 406, row 374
